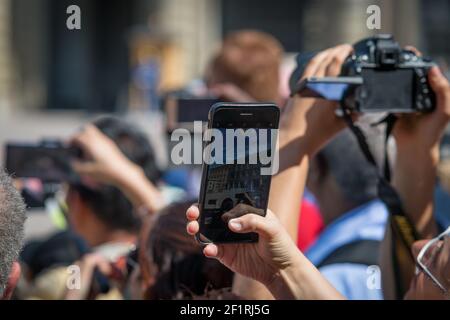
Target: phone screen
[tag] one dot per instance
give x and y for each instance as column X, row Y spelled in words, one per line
column 377, row 94
column 237, row 174
column 328, row 91
column 328, row 88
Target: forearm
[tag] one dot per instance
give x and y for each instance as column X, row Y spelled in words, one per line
column 414, row 179
column 140, row 191
column 286, row 195
column 288, row 184
column 302, row 134
column 302, row 281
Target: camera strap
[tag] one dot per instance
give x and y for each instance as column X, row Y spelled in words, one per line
column 403, row 230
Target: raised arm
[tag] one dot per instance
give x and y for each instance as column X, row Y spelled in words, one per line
column 417, row 138
column 306, row 125
column 105, row 163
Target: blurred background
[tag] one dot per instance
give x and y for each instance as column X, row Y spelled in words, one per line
column 128, row 54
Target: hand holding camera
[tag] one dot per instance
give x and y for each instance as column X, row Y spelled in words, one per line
column 105, row 164
column 103, row 161
column 314, row 119
column 379, row 76
column 426, row 129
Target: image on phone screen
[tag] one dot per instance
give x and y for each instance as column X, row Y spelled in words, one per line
column 235, row 178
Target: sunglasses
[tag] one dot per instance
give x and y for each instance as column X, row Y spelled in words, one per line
column 427, row 258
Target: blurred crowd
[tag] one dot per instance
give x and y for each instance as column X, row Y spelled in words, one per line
column 130, row 226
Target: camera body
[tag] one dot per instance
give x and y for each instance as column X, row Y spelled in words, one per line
column 394, row 79
column 47, row 160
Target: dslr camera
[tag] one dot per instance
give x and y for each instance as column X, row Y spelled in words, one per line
column 379, row 76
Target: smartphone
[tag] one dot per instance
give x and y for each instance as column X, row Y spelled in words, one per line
column 329, row 88
column 49, row 161
column 181, row 113
column 236, row 173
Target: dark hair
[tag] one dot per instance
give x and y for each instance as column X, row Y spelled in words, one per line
column 12, row 219
column 108, row 203
column 343, row 159
column 175, row 260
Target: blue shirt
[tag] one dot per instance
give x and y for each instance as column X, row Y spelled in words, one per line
column 354, row 281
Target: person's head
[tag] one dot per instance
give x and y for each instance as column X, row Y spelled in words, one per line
column 12, row 219
column 251, row 61
column 105, row 210
column 340, row 177
column 171, row 261
column 432, row 279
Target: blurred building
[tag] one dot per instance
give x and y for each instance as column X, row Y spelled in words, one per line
column 45, row 66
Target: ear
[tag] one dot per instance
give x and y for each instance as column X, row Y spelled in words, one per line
column 75, row 202
column 72, row 196
column 13, row 278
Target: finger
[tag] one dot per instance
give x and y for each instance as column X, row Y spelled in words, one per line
column 91, row 260
column 321, row 69
column 192, row 228
column 82, row 167
column 240, row 210
column 254, row 223
column 192, row 213
column 85, row 137
column 315, row 63
column 213, row 251
column 438, row 82
column 339, row 56
column 417, row 247
column 89, row 174
column 104, row 267
column 414, row 49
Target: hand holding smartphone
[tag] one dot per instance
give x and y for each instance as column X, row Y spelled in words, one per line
column 235, row 169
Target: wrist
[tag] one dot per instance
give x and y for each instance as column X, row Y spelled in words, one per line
column 418, row 151
column 127, row 175
column 301, row 280
column 285, row 282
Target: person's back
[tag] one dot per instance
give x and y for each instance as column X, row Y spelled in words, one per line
column 345, row 186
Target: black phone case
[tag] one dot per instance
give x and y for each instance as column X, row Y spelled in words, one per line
column 216, row 107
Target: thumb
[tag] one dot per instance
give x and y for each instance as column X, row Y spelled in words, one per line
column 265, row 227
column 83, row 167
